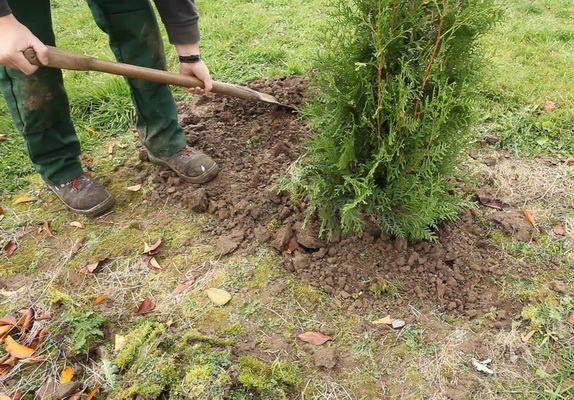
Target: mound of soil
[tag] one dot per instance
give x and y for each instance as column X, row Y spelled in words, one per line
column 254, row 143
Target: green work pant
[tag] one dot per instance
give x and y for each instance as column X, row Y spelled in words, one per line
column 39, row 104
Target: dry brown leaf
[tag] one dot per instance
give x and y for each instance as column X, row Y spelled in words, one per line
column 182, row 286
column 153, row 249
column 78, row 244
column 134, row 188
column 549, row 106
column 571, row 318
column 218, row 296
column 7, row 321
column 2, row 137
column 39, row 337
column 17, row 350
column 67, row 374
column 529, row 216
column 146, row 306
column 25, row 199
column 45, row 228
column 292, row 245
column 111, row 149
column 33, row 360
column 559, row 230
column 92, row 394
column 77, row 224
column 385, row 320
column 103, row 296
column 26, row 321
column 315, row 338
column 10, row 247
column 526, row 337
column 569, row 159
column 153, row 264
column 88, row 269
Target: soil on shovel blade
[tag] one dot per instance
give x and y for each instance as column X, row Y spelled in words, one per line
column 254, row 143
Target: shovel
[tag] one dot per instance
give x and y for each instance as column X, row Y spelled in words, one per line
column 65, row 59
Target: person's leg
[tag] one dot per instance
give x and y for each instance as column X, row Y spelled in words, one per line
column 39, row 104
column 135, row 38
column 41, row 112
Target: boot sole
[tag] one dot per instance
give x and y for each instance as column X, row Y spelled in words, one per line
column 203, row 178
column 95, row 211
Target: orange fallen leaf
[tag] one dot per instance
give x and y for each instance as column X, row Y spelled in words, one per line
column 4, row 397
column 315, row 338
column 529, row 216
column 571, row 318
column 559, row 230
column 146, row 306
column 7, row 321
column 17, row 350
column 77, row 224
column 10, row 247
column 25, row 199
column 292, row 245
column 153, row 249
column 93, row 130
column 67, row 374
column 92, row 394
column 134, row 188
column 4, row 330
column 39, row 337
column 78, row 244
column 182, row 286
column 103, row 296
column 88, row 269
column 526, row 337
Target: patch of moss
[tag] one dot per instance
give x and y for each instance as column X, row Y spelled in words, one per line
column 146, row 333
column 271, row 381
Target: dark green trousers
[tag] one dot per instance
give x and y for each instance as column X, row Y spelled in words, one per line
column 39, row 104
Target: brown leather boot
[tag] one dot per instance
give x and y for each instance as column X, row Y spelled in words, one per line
column 83, row 195
column 191, row 165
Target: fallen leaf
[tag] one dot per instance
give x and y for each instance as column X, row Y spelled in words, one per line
column 153, row 249
column 571, row 318
column 526, row 337
column 4, row 397
column 569, row 159
column 559, row 230
column 385, row 320
column 78, row 244
column 549, row 106
column 25, row 199
column 218, row 296
column 111, row 149
column 92, row 394
column 119, row 342
column 315, row 338
column 67, row 374
column 1, row 211
column 77, row 224
column 153, row 264
column 146, row 306
column 2, row 137
column 122, row 145
column 292, row 245
column 26, row 321
column 45, row 228
column 134, row 188
column 7, row 321
column 182, row 286
column 93, row 130
column 4, row 330
column 103, row 296
column 10, row 247
column 88, row 269
column 17, row 350
column 529, row 216
column 39, row 337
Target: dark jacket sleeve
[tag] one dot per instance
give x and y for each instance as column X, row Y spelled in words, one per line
column 4, row 8
column 180, row 18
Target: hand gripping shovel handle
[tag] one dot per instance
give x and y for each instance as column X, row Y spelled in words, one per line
column 65, row 59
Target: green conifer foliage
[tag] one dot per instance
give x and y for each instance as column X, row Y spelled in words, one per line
column 396, row 90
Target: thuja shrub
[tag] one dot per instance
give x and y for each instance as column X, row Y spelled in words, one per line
column 397, row 86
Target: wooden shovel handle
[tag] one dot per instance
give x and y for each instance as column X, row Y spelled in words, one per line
column 65, row 59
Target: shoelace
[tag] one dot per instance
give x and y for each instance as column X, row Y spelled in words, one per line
column 185, row 151
column 77, row 181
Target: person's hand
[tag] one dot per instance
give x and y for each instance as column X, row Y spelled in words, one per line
column 200, row 71
column 16, row 38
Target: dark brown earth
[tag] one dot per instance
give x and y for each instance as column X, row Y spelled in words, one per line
column 254, row 143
